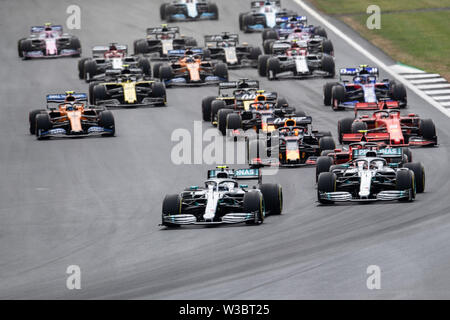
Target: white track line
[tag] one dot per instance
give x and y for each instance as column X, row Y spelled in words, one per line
column 434, row 86
column 370, row 56
column 434, row 80
column 422, row 76
column 441, row 98
column 434, row 92
column 446, row 104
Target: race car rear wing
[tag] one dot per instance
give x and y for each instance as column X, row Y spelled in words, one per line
column 181, row 53
column 61, row 97
column 261, row 3
column 357, row 71
column 99, row 50
column 222, row 37
column 299, row 121
column 238, row 174
column 284, row 19
column 382, row 153
column 240, row 84
column 39, row 29
column 159, row 30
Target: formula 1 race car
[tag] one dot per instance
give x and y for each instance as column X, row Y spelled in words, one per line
column 364, row 89
column 240, row 102
column 190, row 68
column 263, row 15
column 72, row 118
column 388, row 127
column 296, row 143
column 370, row 178
column 303, row 37
column 225, row 47
column 160, row 40
column 288, row 24
column 110, row 57
column 189, row 10
column 223, row 200
column 49, row 41
column 234, row 93
column 295, row 61
column 127, row 89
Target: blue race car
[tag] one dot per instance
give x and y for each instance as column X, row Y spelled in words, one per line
column 189, row 10
column 365, row 90
column 263, row 14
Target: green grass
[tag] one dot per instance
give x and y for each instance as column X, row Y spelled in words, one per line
column 419, row 39
column 360, row 6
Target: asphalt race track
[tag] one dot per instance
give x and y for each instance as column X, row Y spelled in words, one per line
column 96, row 202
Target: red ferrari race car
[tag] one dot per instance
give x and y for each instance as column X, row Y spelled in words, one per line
column 388, row 127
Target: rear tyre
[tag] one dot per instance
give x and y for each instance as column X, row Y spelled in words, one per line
column 344, row 127
column 214, row 10
column 262, row 65
column 269, row 34
column 216, row 106
column 319, row 31
column 407, row 152
column 254, row 202
column 90, row 69
column 427, row 129
column 282, row 102
column 327, row 47
column 273, row 68
column 328, row 66
column 165, row 73
column 327, row 143
column 419, row 175
column 162, row 11
column 267, row 46
column 326, row 183
column 156, row 68
column 141, row 46
column 222, row 115
column 358, row 126
column 398, row 92
column 99, row 93
column 144, row 65
column 221, row 71
column 81, row 67
column 20, row 48
column 255, row 52
column 327, row 92
column 234, row 121
column 171, row 206
column 206, row 108
column 273, row 198
column 337, row 97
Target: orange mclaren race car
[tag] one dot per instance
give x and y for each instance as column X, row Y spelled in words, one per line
column 189, row 68
column 71, row 118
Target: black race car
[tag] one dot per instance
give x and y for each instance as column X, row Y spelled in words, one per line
column 161, row 40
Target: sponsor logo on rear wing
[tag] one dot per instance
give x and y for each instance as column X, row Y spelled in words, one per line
column 181, row 53
column 103, row 49
column 239, row 174
column 356, row 71
column 222, row 37
column 252, row 84
column 285, row 19
column 298, row 120
column 38, row 29
column 259, row 4
column 383, row 152
column 158, row 30
column 61, row 97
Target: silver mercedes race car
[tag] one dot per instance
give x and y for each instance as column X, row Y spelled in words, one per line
column 223, row 200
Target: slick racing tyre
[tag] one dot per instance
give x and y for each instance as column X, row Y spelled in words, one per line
column 221, row 71
column 273, row 68
column 32, row 119
column 216, row 105
column 144, row 65
column 419, row 175
column 327, row 87
column 159, row 91
column 206, row 108
column 99, row 93
column 328, row 66
column 222, row 120
column 273, row 198
column 234, row 121
column 358, row 126
column 262, row 65
column 106, row 120
column 254, row 202
column 172, row 205
column 323, row 164
column 344, row 127
column 43, row 123
column 405, row 181
column 326, row 183
column 337, row 97
column 156, row 68
column 327, row 143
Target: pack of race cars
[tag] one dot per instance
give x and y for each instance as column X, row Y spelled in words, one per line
column 373, row 164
